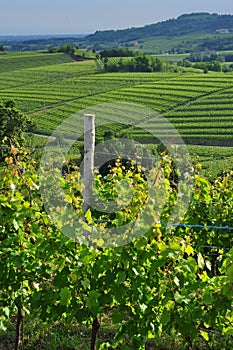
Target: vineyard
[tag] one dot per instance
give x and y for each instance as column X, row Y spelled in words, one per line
column 214, row 160
column 169, row 287
column 50, row 90
column 168, row 281
column 25, row 61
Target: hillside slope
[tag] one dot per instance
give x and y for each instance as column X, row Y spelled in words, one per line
column 185, row 24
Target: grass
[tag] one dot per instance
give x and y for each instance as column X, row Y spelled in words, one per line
column 38, row 336
column 85, row 54
column 35, row 141
column 65, row 336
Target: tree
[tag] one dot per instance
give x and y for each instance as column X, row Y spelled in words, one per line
column 143, row 63
column 13, row 124
column 157, row 65
column 105, row 62
column 69, row 49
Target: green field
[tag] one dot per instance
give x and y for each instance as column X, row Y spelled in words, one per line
column 172, row 57
column 15, row 62
column 52, row 87
column 177, row 43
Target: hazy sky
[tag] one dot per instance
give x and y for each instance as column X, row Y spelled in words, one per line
column 87, row 16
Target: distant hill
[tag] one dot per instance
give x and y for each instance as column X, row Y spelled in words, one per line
column 194, row 23
column 38, row 42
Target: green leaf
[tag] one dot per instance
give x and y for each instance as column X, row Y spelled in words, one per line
column 88, row 214
column 68, row 199
column 92, row 301
column 229, row 331
column 15, row 224
column 2, row 326
column 99, row 242
column 231, row 252
column 200, row 261
column 165, row 317
column 117, row 317
column 121, row 276
column 205, row 335
column 174, row 246
column 17, row 260
column 86, row 283
column 178, row 298
column 189, row 250
column 6, row 311
column 230, row 273
column 192, row 264
column 65, row 296
column 143, row 307
column 207, row 298
column 208, row 265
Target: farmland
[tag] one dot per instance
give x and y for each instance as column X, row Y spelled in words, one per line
column 51, row 87
column 29, row 60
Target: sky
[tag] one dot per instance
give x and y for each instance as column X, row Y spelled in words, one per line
column 22, row 17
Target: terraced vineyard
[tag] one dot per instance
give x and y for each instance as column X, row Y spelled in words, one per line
column 37, row 75
column 188, row 101
column 208, row 118
column 19, row 61
column 51, row 87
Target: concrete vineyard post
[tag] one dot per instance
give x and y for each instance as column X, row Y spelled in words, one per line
column 89, row 149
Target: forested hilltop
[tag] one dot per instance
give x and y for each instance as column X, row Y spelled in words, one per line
column 185, row 24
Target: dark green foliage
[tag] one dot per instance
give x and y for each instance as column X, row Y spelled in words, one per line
column 33, row 43
column 185, row 24
column 13, row 124
column 140, row 63
column 208, row 57
column 213, row 65
column 69, row 49
column 117, row 52
column 218, row 42
column 205, row 65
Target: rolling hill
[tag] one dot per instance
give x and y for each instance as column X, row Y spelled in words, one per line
column 194, row 23
column 187, row 33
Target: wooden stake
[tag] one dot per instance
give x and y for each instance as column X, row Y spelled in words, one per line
column 89, row 149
